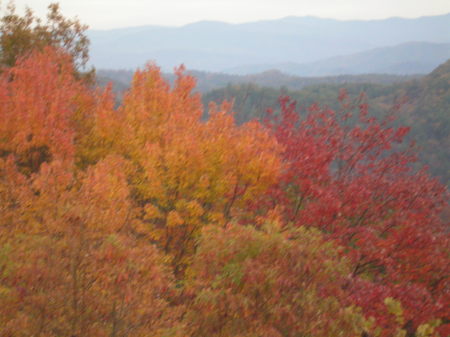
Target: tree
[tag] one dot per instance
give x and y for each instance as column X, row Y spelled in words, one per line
column 69, row 262
column 21, row 35
column 33, row 130
column 346, row 176
column 248, row 282
column 186, row 173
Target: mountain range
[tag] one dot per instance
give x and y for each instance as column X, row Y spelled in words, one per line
column 404, row 59
column 305, row 46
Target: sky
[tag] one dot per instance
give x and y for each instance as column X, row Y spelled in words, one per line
column 108, row 14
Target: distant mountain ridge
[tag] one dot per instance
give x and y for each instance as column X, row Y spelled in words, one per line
column 217, row 46
column 404, row 59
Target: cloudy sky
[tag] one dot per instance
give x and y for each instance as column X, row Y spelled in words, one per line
column 105, row 14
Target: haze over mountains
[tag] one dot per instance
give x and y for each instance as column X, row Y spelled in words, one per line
column 404, row 59
column 303, row 46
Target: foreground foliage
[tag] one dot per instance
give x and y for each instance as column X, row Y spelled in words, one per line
column 144, row 220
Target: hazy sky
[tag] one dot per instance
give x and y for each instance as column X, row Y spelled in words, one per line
column 105, row 14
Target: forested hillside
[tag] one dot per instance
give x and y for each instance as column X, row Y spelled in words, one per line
column 424, row 107
column 427, row 111
column 207, row 81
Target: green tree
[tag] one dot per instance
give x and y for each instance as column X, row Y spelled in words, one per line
column 20, row 35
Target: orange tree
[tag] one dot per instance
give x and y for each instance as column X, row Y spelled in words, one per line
column 69, row 265
column 184, row 173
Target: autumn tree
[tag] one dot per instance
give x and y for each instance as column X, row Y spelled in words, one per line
column 70, row 265
column 347, row 176
column 186, row 173
column 21, row 35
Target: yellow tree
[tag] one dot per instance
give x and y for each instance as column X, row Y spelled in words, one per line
column 185, row 172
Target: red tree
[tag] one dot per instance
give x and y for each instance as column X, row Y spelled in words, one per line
column 347, row 174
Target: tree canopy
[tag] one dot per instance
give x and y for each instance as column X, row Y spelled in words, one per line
column 144, row 219
column 21, row 34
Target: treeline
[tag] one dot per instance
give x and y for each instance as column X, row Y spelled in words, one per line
column 207, row 81
column 251, row 101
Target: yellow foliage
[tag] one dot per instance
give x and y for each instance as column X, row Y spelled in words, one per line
column 186, row 172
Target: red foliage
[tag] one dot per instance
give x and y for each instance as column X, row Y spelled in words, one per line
column 347, row 174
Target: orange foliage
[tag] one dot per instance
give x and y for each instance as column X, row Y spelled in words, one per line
column 186, row 173
column 129, row 221
column 69, row 264
column 86, row 190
